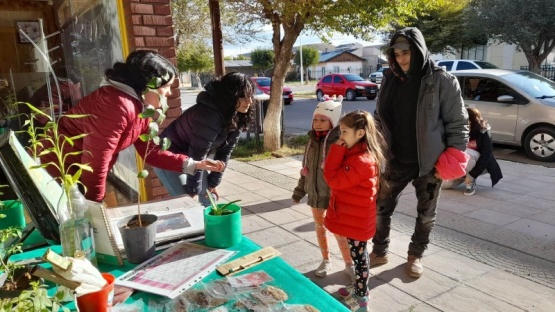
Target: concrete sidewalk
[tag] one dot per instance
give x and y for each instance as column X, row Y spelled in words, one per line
column 494, row 251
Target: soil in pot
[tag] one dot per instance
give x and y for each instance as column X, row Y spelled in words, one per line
column 23, row 279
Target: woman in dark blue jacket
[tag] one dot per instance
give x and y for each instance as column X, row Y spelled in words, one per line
column 212, row 125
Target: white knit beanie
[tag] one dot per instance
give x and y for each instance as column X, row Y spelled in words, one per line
column 329, row 108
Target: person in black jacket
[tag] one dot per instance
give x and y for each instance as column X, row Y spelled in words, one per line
column 480, row 152
column 213, row 124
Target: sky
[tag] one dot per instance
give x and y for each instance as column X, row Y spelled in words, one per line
column 337, row 39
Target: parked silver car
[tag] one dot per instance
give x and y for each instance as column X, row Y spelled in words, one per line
column 519, row 106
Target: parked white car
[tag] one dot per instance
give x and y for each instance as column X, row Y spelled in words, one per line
column 452, row 65
column 519, row 106
column 377, row 76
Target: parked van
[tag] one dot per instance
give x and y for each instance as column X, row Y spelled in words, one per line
column 452, row 65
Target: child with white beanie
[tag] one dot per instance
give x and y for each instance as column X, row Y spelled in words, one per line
column 323, row 134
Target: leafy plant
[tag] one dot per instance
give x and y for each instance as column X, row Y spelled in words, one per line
column 35, row 299
column 221, row 209
column 151, row 138
column 58, row 142
column 33, row 130
column 9, row 267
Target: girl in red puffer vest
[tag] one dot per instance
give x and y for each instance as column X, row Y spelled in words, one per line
column 352, row 171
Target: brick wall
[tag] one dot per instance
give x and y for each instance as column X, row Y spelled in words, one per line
column 149, row 26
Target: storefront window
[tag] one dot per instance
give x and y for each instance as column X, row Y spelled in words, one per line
column 92, row 43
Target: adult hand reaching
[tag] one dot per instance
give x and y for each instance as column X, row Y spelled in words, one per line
column 214, row 191
column 211, row 165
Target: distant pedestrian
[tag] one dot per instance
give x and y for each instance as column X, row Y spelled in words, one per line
column 323, row 134
column 352, row 170
column 421, row 113
column 480, row 153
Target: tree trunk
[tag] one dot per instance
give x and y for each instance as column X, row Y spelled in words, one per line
column 282, row 59
column 199, row 82
column 533, row 63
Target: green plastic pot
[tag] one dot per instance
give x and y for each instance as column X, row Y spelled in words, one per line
column 14, row 214
column 223, row 231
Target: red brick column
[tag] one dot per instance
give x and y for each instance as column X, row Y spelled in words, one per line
column 149, row 26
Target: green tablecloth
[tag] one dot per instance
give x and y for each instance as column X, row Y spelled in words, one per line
column 298, row 287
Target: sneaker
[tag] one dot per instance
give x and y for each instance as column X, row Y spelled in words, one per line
column 350, row 270
column 470, row 188
column 414, row 266
column 345, row 292
column 376, row 260
column 323, row 269
column 352, row 301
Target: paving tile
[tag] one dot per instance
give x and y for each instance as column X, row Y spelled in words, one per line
column 254, row 223
column 511, row 289
column 282, row 216
column 511, row 209
column 492, row 217
column 455, row 266
column 531, row 201
column 428, row 286
column 273, row 236
column 384, row 297
column 546, row 305
column 454, row 206
column 534, row 228
column 299, row 253
column 544, row 216
column 464, row 298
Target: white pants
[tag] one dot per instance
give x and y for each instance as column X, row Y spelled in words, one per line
column 473, row 156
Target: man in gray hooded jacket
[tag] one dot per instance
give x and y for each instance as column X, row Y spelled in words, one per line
column 422, row 115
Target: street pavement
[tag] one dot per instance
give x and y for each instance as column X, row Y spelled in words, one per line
column 493, row 251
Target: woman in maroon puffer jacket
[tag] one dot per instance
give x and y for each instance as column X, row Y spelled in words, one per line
column 114, row 123
column 352, row 170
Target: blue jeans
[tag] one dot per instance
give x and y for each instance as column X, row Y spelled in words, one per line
column 427, row 189
column 175, row 183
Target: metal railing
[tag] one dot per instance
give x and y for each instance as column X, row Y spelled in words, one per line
column 548, row 71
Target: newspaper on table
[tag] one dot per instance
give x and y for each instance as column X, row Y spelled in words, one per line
column 175, row 270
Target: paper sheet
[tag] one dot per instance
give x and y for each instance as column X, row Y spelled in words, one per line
column 175, row 270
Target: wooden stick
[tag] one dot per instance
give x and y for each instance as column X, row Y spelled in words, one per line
column 53, row 277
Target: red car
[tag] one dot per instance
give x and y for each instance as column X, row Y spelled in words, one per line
column 264, row 83
column 350, row 86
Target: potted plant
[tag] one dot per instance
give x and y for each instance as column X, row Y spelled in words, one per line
column 34, row 299
column 222, row 224
column 19, row 290
column 138, row 232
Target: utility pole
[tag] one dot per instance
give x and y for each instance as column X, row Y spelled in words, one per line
column 301, row 56
column 217, row 41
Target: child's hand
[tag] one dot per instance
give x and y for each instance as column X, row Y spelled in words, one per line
column 341, row 142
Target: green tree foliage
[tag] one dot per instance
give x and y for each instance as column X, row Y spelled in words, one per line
column 262, row 60
column 198, row 58
column 445, row 27
column 192, row 23
column 311, row 56
column 529, row 24
column 287, row 18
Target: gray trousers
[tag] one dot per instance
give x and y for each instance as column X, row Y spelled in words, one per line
column 427, row 190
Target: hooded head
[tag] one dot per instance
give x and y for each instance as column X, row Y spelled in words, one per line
column 409, row 38
column 330, row 109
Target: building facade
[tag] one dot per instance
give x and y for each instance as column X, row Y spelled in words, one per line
column 84, row 37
